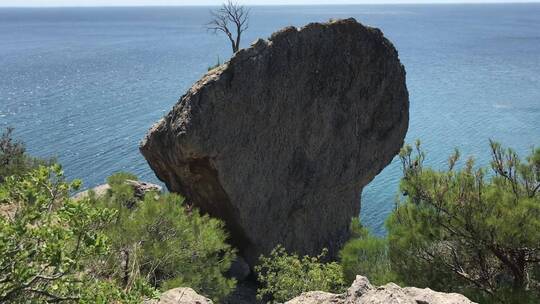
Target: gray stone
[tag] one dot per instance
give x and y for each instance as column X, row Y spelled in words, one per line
column 98, row 191
column 279, row 141
column 140, row 188
column 387, row 294
column 181, row 295
column 428, row 296
column 359, row 287
column 362, row 292
column 317, row 297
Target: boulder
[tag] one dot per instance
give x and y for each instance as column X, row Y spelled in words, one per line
column 362, row 292
column 181, row 295
column 279, row 141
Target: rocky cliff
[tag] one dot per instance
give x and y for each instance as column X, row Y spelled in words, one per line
column 279, row 141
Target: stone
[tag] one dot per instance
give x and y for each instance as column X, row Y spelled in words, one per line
column 140, row 188
column 362, row 292
column 99, row 191
column 387, row 294
column 181, row 295
column 279, row 141
column 317, row 297
column 428, row 296
column 359, row 287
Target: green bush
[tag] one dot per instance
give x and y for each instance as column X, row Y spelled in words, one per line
column 367, row 255
column 107, row 291
column 109, row 249
column 159, row 240
column 464, row 230
column 284, row 276
column 47, row 239
column 13, row 157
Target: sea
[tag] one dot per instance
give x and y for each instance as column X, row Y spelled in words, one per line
column 85, row 84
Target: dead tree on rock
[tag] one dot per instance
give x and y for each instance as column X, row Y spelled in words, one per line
column 231, row 19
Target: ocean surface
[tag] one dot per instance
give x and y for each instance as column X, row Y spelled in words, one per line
column 84, row 85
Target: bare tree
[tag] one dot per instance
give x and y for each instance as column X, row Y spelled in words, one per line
column 231, row 19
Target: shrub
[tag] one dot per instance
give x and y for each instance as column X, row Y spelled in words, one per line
column 160, row 241
column 47, row 239
column 13, row 157
column 367, row 255
column 466, row 231
column 284, row 276
column 106, row 292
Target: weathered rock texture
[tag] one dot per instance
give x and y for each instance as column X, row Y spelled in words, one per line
column 280, row 140
column 139, row 189
column 180, row 296
column 362, row 292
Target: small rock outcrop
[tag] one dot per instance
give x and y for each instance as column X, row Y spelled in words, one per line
column 181, row 295
column 362, row 292
column 139, row 189
column 279, row 141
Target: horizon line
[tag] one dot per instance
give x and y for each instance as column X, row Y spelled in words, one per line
column 463, row 2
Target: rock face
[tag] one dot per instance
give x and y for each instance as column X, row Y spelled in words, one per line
column 280, row 140
column 362, row 292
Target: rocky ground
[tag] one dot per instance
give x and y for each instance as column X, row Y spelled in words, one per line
column 360, row 292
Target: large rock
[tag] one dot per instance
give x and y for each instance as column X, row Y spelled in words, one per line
column 280, row 141
column 362, row 292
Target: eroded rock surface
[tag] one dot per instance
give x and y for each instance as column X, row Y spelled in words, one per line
column 140, row 188
column 362, row 292
column 181, row 295
column 280, row 140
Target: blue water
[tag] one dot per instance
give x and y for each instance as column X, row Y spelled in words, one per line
column 85, row 84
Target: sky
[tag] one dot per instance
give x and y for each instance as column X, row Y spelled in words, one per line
column 39, row 3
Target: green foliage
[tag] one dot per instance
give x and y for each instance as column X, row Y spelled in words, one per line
column 160, row 241
column 118, row 179
column 367, row 255
column 105, row 292
column 285, row 276
column 13, row 158
column 465, row 231
column 110, row 249
column 121, row 193
column 47, row 239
